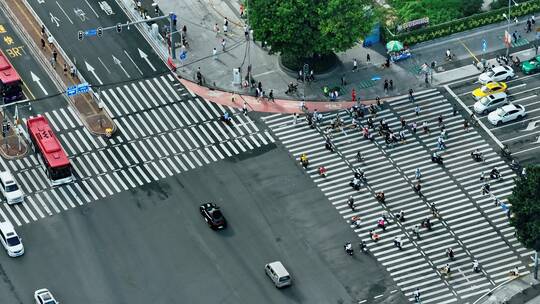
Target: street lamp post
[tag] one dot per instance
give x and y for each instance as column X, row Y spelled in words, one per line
column 509, row 40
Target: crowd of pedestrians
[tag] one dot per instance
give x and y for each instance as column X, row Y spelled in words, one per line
column 363, row 119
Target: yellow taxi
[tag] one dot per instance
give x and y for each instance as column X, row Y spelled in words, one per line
column 489, row 89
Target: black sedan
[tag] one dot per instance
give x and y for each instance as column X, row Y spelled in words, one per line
column 213, row 216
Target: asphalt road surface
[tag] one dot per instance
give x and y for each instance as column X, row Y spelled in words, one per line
column 521, row 136
column 36, row 82
column 467, row 220
column 150, row 245
column 112, row 58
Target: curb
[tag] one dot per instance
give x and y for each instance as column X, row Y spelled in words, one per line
column 53, row 73
column 24, row 147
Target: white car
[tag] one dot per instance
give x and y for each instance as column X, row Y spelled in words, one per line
column 10, row 189
column 490, row 102
column 44, row 296
column 10, row 240
column 506, row 113
column 498, row 73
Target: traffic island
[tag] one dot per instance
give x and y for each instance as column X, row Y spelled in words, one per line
column 63, row 72
column 12, row 144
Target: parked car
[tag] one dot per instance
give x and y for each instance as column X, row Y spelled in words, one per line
column 10, row 240
column 490, row 102
column 10, row 189
column 44, row 296
column 531, row 66
column 488, row 89
column 506, row 113
column 497, row 73
column 212, row 216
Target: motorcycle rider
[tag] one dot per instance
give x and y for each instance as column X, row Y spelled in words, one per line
column 380, row 197
column 359, row 156
column 476, row 266
column 348, row 248
column 322, row 171
column 355, row 220
column 304, row 160
column 435, row 157
column 495, row 174
column 476, row 154
column 418, row 188
column 355, row 183
column 363, row 246
column 226, row 117
column 450, row 253
column 328, row 144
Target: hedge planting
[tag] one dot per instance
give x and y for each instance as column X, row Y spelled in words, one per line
column 463, row 24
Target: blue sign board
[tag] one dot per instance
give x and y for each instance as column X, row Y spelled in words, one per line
column 71, row 91
column 484, row 45
column 183, row 56
column 90, row 32
column 82, row 88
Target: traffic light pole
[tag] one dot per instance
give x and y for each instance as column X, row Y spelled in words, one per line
column 119, row 26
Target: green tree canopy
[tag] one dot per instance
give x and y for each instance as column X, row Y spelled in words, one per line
column 438, row 11
column 525, row 200
column 303, row 28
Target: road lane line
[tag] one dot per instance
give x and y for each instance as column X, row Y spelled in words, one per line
column 93, row 10
column 64, row 12
column 133, row 62
column 103, row 64
column 488, row 131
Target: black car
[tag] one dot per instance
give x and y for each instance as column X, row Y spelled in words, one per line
column 213, row 216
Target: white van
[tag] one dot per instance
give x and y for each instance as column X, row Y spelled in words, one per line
column 10, row 189
column 278, row 274
column 10, row 240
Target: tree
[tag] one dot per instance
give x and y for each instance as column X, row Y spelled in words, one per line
column 525, row 200
column 438, row 11
column 304, row 28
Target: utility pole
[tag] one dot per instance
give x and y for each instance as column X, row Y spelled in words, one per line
column 305, row 71
column 507, row 36
column 171, row 23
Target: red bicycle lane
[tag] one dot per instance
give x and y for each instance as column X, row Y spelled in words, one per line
column 264, row 105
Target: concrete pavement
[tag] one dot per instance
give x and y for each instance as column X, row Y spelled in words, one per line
column 200, row 19
column 524, row 289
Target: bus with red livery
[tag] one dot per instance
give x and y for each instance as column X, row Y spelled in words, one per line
column 47, row 145
column 10, row 81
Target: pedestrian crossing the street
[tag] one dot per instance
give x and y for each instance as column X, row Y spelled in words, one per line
column 159, row 135
column 466, row 220
column 520, row 42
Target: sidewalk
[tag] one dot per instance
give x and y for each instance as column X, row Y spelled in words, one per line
column 524, row 289
column 93, row 117
column 368, row 81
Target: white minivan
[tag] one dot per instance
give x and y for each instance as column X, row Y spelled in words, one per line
column 10, row 240
column 10, row 189
column 278, row 274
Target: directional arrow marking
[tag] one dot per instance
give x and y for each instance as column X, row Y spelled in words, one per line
column 145, row 57
column 532, row 125
column 93, row 71
column 54, row 19
column 119, row 63
column 38, row 81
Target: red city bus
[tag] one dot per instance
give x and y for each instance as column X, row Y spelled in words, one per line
column 57, row 165
column 10, row 81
